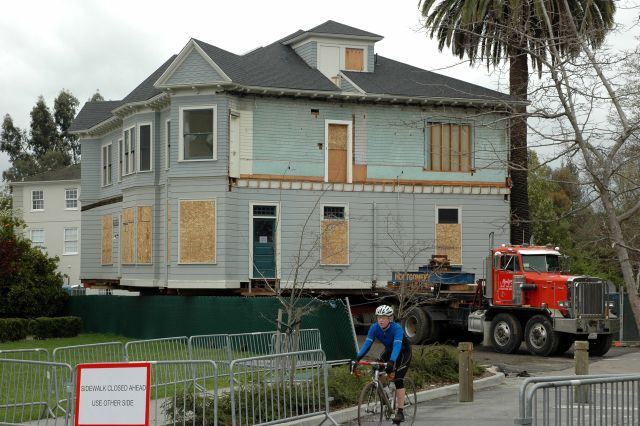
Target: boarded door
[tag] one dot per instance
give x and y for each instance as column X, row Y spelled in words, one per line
column 449, row 234
column 337, row 153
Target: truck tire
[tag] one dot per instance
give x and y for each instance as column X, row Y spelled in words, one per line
column 601, row 345
column 506, row 333
column 420, row 327
column 540, row 336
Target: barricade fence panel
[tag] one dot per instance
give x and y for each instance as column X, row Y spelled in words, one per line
column 35, row 354
column 28, row 394
column 169, row 348
column 276, row 388
column 583, row 400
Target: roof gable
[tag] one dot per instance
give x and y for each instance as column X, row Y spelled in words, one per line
column 66, row 173
column 192, row 66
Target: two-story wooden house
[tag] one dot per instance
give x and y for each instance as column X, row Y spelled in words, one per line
column 312, row 159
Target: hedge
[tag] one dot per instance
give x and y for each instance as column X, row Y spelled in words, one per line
column 12, row 329
column 45, row 328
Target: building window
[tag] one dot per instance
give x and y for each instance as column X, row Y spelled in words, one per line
column 71, row 198
column 144, row 132
column 106, row 165
column 120, row 156
column 70, row 241
column 129, row 151
column 449, row 147
column 37, row 237
column 448, row 215
column 334, row 236
column 167, row 158
column 37, row 200
column 354, row 59
column 198, row 133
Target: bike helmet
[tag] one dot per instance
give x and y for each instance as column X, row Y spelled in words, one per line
column 384, row 311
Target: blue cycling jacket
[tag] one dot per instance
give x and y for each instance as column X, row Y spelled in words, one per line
column 392, row 339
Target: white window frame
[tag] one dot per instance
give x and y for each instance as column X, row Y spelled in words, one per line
column 37, row 244
column 42, row 192
column 346, row 218
column 64, row 241
column 278, row 218
column 349, row 125
column 167, row 144
column 120, row 158
column 139, row 156
column 66, row 198
column 108, row 147
column 182, row 109
column 129, row 163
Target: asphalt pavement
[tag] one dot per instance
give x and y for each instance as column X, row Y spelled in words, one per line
column 498, row 405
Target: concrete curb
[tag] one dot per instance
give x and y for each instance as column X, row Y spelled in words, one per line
column 351, row 413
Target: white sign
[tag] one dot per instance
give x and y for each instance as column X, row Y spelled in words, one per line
column 113, row 394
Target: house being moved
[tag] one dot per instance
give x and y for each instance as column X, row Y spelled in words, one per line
column 312, row 159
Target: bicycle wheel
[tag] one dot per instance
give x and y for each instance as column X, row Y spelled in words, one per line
column 370, row 406
column 410, row 402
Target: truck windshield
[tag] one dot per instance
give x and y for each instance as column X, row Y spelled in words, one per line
column 541, row 263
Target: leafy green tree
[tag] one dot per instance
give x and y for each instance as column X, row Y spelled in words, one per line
column 64, row 111
column 44, row 134
column 97, row 97
column 494, row 31
column 30, row 285
column 13, row 140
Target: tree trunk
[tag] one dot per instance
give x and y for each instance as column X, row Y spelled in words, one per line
column 518, row 84
column 622, row 254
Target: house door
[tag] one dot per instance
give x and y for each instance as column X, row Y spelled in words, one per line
column 264, row 242
column 337, row 152
column 234, row 146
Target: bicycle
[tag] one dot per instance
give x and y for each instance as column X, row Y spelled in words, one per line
column 377, row 401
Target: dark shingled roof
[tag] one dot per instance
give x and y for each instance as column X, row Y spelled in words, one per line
column 145, row 90
column 333, row 27
column 66, row 173
column 93, row 113
column 397, row 78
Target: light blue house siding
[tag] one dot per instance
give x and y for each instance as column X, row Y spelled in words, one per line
column 309, row 53
column 392, row 140
column 194, row 70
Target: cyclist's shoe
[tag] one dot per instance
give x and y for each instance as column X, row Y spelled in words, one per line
column 399, row 417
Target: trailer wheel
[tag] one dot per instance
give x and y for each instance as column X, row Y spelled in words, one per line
column 415, row 325
column 540, row 336
column 506, row 333
column 601, row 345
column 565, row 342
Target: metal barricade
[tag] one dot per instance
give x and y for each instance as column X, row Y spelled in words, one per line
column 244, row 345
column 27, row 393
column 35, row 354
column 607, row 399
column 213, row 347
column 276, row 388
column 167, row 349
column 84, row 354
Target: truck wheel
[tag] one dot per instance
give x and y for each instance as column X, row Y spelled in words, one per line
column 506, row 333
column 601, row 345
column 540, row 336
column 415, row 325
column 564, row 343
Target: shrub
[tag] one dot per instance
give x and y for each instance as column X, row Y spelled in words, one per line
column 435, row 364
column 44, row 328
column 343, row 387
column 12, row 329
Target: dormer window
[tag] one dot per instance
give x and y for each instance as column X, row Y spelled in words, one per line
column 353, row 59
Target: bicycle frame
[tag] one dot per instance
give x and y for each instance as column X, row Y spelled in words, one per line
column 378, row 372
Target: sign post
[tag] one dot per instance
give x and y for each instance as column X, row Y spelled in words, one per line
column 113, row 394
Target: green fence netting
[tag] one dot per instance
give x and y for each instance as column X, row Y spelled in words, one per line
column 152, row 317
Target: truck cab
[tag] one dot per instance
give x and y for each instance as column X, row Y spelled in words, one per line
column 530, row 298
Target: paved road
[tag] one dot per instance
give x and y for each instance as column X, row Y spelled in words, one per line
column 499, row 405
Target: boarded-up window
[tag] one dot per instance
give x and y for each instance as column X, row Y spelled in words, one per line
column 197, row 231
column 449, row 147
column 337, row 149
column 145, row 228
column 449, row 234
column 334, row 236
column 127, row 240
column 107, row 240
column 354, row 59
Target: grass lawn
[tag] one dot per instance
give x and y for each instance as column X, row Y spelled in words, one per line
column 51, row 344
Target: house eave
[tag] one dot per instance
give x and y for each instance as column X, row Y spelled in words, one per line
column 307, row 35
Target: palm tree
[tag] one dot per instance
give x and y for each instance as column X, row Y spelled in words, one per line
column 493, row 31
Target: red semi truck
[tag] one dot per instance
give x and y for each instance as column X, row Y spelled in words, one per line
column 525, row 296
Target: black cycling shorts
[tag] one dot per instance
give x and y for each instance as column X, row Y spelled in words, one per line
column 402, row 365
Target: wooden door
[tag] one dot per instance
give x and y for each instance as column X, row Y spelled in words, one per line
column 337, row 151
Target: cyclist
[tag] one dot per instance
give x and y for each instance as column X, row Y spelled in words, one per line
column 397, row 353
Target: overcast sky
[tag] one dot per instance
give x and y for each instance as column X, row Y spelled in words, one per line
column 85, row 45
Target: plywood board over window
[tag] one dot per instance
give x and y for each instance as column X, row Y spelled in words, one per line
column 449, row 234
column 354, row 59
column 127, row 240
column 334, row 247
column 197, row 231
column 145, row 228
column 450, row 147
column 338, row 140
column 107, row 240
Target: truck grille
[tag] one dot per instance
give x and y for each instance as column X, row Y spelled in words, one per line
column 589, row 297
